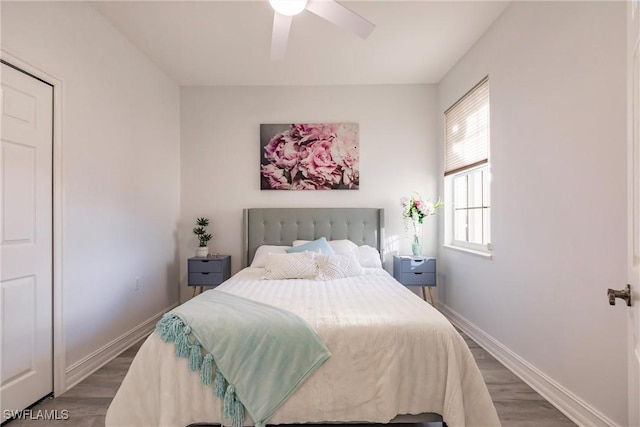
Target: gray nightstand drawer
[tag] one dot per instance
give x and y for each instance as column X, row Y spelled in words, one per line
column 205, row 265
column 208, row 271
column 416, row 271
column 418, row 279
column 205, row 279
column 418, row 265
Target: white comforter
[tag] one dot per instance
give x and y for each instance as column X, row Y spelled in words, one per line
column 392, row 353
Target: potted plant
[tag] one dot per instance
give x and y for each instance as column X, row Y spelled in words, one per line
column 203, row 237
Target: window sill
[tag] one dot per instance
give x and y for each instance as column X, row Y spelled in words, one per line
column 482, row 254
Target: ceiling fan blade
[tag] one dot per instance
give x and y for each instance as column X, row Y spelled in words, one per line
column 339, row 15
column 280, row 35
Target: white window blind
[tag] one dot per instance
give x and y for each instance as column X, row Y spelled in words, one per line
column 467, row 130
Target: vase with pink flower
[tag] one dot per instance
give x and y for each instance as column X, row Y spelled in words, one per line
column 414, row 211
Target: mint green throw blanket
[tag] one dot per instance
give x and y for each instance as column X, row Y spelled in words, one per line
column 261, row 353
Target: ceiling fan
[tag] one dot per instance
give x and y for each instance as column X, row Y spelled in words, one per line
column 331, row 10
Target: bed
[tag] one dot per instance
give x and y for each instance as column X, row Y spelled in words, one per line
column 393, row 356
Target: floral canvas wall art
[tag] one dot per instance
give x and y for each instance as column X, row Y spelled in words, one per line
column 309, row 156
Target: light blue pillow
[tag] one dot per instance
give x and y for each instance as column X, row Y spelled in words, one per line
column 321, row 245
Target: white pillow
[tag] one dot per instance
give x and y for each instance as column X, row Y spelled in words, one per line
column 337, row 266
column 338, row 246
column 299, row 265
column 369, row 257
column 344, row 247
column 260, row 258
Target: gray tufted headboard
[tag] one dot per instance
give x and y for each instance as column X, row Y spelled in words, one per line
column 281, row 226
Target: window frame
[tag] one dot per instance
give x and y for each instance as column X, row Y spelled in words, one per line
column 474, row 165
column 485, row 246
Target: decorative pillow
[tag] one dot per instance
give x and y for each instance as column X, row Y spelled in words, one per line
column 344, row 247
column 260, row 258
column 301, row 265
column 321, row 245
column 337, row 266
column 339, row 246
column 369, row 256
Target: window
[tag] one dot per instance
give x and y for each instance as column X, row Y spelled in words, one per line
column 467, row 170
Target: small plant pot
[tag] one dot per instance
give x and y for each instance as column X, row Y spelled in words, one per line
column 202, row 251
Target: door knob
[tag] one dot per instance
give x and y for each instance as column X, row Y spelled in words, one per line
column 624, row 294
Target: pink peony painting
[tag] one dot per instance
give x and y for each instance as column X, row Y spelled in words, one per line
column 309, row 156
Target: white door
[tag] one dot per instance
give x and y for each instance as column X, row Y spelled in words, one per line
column 26, row 106
column 633, row 260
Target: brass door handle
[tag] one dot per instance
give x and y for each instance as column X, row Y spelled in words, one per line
column 624, row 294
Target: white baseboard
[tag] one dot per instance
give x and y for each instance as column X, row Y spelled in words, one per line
column 568, row 403
column 96, row 360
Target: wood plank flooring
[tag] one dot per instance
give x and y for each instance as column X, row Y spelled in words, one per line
column 517, row 404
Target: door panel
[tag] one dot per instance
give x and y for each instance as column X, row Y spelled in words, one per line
column 633, row 251
column 18, row 201
column 25, row 239
column 19, row 326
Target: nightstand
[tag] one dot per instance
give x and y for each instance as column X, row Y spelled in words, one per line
column 416, row 271
column 208, row 271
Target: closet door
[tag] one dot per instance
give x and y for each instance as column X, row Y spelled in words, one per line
column 26, row 106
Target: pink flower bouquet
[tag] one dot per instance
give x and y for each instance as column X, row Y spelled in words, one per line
column 415, row 210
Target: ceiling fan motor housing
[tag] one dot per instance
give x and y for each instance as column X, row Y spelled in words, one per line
column 288, row 7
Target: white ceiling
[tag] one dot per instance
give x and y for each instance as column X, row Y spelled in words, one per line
column 224, row 43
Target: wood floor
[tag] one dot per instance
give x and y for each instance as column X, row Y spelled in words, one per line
column 517, row 404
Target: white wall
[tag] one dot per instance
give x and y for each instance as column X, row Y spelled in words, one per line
column 557, row 79
column 120, row 169
column 221, row 155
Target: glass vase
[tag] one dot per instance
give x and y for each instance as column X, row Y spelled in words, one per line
column 416, row 249
column 416, row 246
